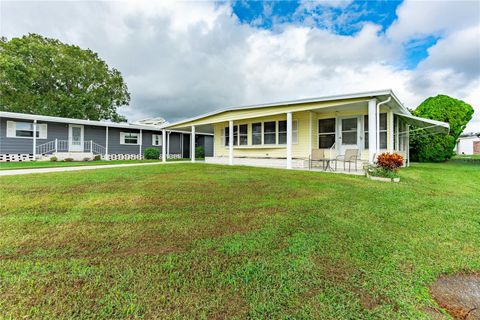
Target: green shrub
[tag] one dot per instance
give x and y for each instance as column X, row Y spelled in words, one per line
column 68, row 159
column 426, row 147
column 53, row 159
column 97, row 157
column 151, row 153
column 199, row 152
column 86, row 159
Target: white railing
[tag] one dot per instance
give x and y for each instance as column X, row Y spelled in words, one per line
column 46, row 147
column 96, row 148
column 62, row 146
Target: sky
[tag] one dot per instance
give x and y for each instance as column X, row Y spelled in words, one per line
column 182, row 59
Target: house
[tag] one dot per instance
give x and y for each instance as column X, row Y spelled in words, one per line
column 79, row 139
column 283, row 134
column 469, row 144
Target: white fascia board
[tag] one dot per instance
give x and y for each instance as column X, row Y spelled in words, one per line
column 25, row 116
column 299, row 101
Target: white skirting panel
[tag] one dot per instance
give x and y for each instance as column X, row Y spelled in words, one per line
column 16, row 157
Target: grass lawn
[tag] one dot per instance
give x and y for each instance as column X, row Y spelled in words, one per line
column 48, row 164
column 207, row 241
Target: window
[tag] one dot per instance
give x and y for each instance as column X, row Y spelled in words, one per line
column 156, row 139
column 257, row 133
column 269, row 132
column 349, row 131
column 383, row 131
column 227, row 136
column 282, row 131
column 326, row 133
column 128, row 138
column 235, row 135
column 25, row 130
column 243, row 135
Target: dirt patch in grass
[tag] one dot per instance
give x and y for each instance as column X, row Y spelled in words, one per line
column 459, row 295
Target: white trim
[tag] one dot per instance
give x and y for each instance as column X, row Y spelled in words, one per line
column 370, row 94
column 156, row 140
column 24, row 116
column 230, row 142
column 82, row 132
column 192, row 145
column 339, row 138
column 106, row 142
column 372, row 130
column 140, row 143
column 164, row 142
column 122, row 138
column 289, row 140
column 34, row 138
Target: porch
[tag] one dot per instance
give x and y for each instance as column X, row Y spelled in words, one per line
column 351, row 130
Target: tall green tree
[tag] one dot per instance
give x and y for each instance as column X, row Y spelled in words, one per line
column 439, row 147
column 44, row 76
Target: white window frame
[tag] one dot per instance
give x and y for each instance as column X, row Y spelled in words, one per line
column 294, row 132
column 42, row 129
column 242, row 134
column 157, row 140
column 122, row 138
column 365, row 133
column 335, row 135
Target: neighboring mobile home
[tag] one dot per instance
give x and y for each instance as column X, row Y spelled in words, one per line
column 469, row 144
column 284, row 134
column 79, row 139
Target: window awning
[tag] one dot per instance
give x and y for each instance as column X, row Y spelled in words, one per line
column 428, row 125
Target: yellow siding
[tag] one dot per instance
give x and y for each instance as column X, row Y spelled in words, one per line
column 307, row 135
column 299, row 150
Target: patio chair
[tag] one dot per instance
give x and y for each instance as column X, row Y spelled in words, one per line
column 317, row 155
column 350, row 156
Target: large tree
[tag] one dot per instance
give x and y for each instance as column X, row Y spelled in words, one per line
column 44, row 76
column 439, row 147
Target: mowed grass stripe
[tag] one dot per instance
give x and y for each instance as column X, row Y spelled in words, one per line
column 205, row 241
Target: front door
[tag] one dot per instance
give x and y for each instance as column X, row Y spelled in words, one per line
column 349, row 133
column 75, row 138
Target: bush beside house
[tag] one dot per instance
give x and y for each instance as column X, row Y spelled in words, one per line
column 426, row 147
column 151, row 154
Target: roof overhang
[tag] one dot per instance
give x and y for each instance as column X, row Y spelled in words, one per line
column 259, row 110
column 428, row 125
column 32, row 117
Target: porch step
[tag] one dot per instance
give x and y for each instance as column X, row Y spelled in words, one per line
column 76, row 156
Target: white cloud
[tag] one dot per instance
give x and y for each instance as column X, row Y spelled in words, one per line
column 186, row 58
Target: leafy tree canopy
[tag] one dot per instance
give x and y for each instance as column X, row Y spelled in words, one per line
column 440, row 147
column 44, row 76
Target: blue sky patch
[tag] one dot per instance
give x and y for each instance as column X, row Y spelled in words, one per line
column 345, row 18
column 416, row 50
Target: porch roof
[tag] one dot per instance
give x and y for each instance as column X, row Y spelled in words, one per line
column 429, row 125
column 268, row 109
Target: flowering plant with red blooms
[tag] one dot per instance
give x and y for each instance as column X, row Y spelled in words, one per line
column 390, row 161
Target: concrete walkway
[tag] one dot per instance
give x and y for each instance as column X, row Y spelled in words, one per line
column 14, row 172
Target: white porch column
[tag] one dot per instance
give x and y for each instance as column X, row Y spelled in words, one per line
column 106, row 143
column 372, row 130
column 230, row 142
column 192, row 144
column 289, row 140
column 408, row 146
column 34, row 139
column 164, row 146
column 390, row 132
column 140, row 144
column 397, row 138
column 168, row 144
